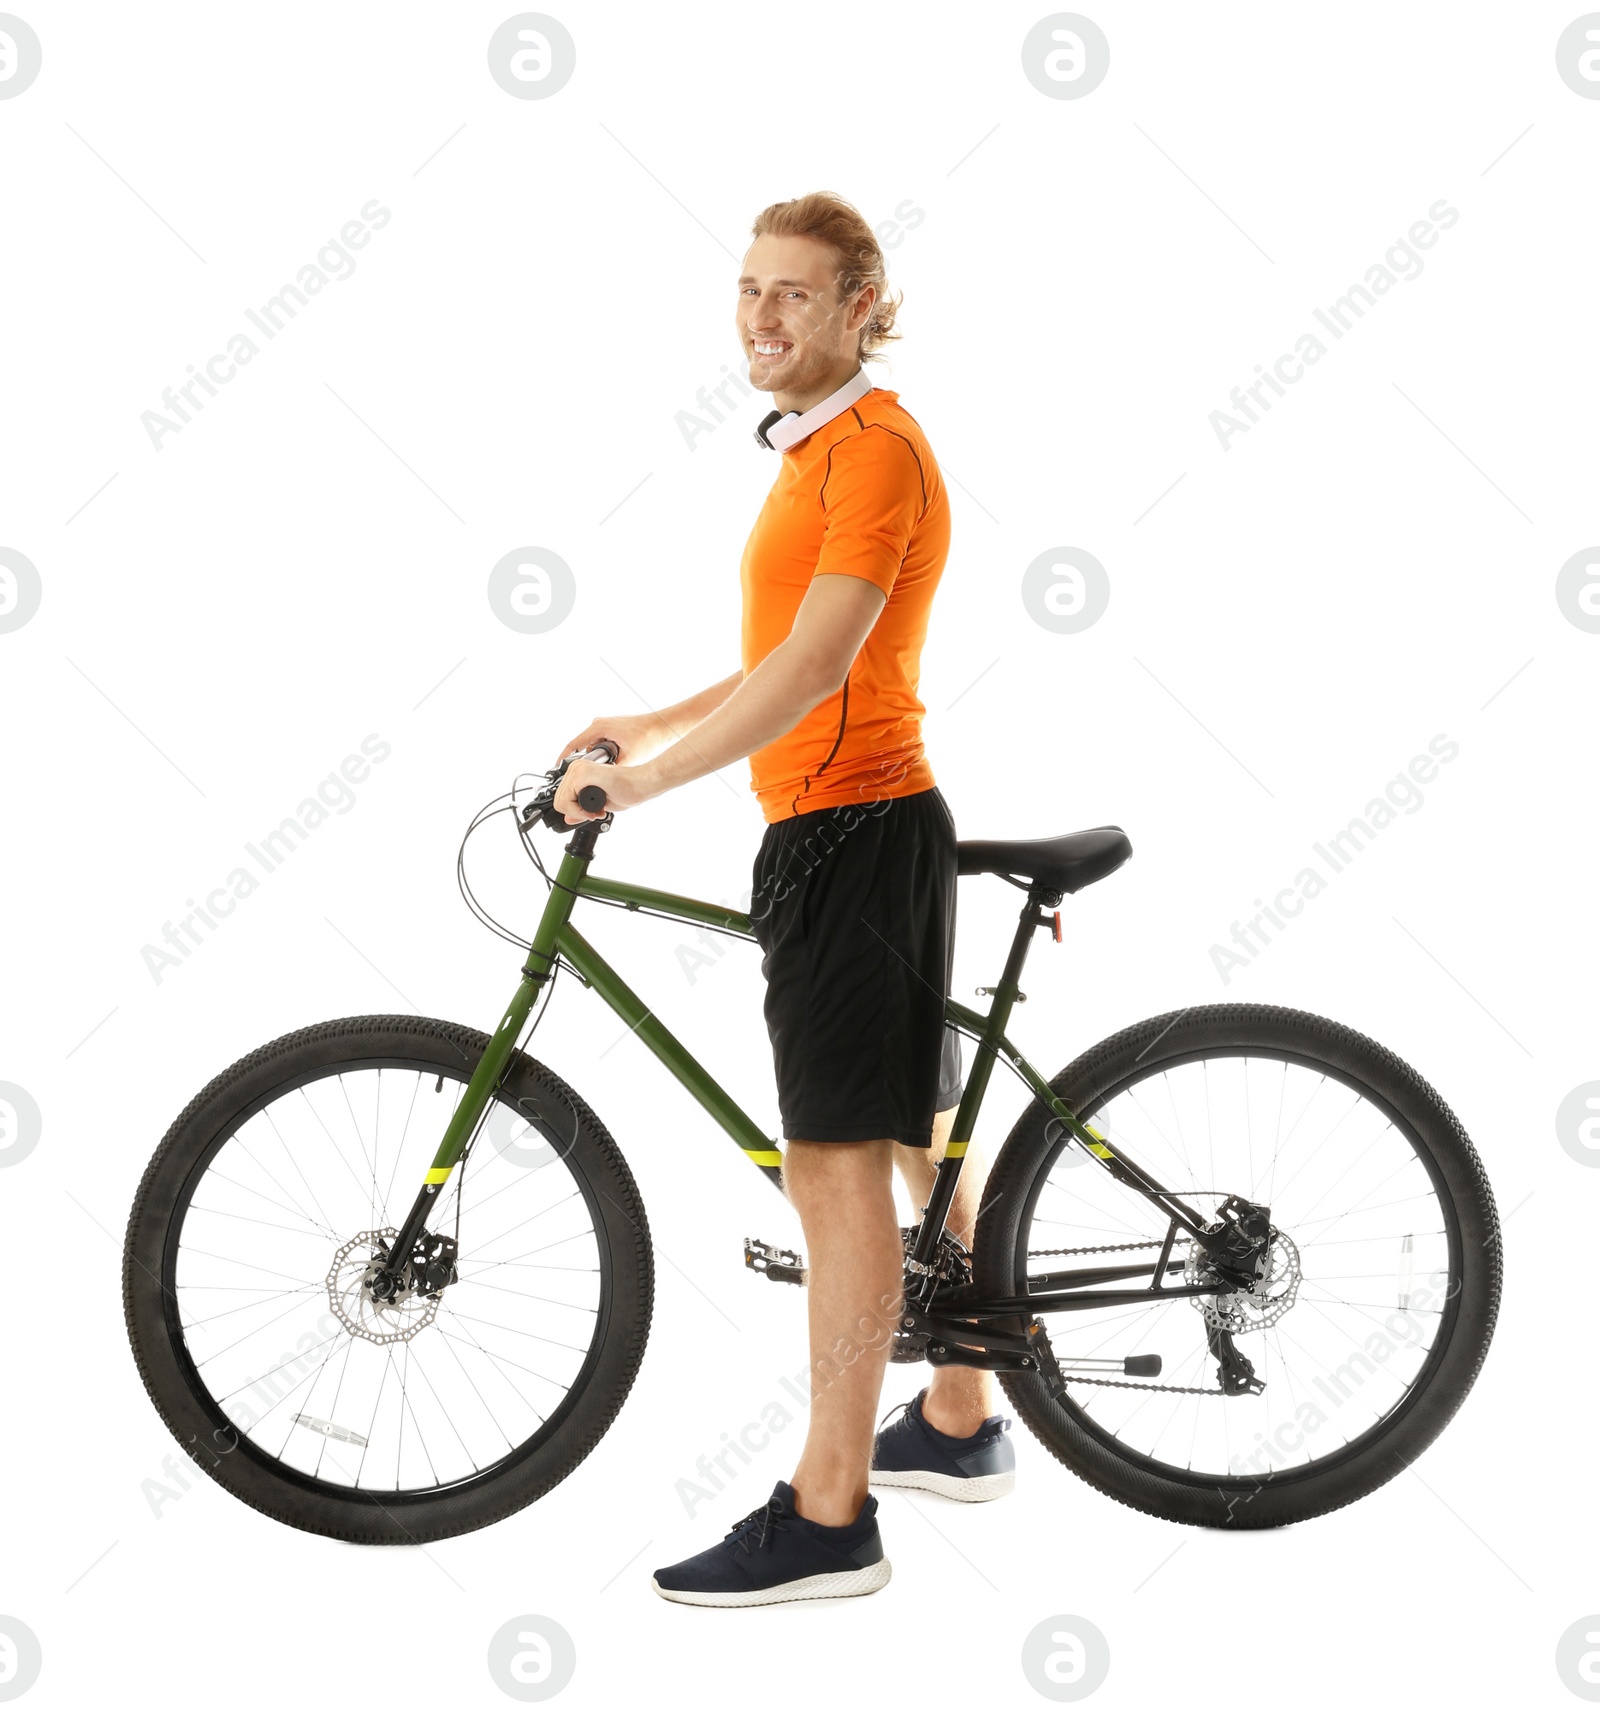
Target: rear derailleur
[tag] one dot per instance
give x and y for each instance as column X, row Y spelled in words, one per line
column 1235, row 1372
column 1236, row 1253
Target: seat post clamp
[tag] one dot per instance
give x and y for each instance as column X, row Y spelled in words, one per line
column 1046, row 913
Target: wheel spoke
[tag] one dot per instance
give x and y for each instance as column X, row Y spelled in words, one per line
column 282, row 1237
column 1329, row 1155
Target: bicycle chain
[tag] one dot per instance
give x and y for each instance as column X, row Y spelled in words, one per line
column 1084, row 1250
column 1106, row 1382
column 1150, row 1387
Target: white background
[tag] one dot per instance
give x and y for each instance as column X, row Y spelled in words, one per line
column 306, row 563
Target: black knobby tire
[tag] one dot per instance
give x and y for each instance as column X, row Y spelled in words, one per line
column 1274, row 1033
column 206, row 1433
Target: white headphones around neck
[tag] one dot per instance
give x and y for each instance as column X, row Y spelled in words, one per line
column 781, row 430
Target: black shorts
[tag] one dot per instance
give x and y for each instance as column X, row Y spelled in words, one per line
column 855, row 911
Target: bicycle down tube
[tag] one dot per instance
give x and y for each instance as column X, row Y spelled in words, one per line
column 556, row 940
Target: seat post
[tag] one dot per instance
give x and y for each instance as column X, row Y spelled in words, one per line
column 1031, row 918
column 937, row 1211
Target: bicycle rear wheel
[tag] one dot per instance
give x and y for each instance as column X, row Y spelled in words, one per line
column 1366, row 1331
column 262, row 1211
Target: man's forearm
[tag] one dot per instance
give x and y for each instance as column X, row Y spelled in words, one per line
column 693, row 710
column 682, row 718
column 761, row 707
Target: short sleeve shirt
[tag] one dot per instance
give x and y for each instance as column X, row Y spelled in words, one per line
column 863, row 497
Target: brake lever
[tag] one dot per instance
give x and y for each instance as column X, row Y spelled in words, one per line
column 541, row 807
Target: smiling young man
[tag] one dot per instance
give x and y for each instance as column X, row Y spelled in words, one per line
column 853, row 889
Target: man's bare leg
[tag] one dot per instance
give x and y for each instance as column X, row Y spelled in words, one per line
column 958, row 1398
column 845, row 1196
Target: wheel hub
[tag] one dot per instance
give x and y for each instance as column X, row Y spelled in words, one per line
column 384, row 1306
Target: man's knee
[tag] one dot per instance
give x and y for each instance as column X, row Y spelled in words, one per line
column 815, row 1174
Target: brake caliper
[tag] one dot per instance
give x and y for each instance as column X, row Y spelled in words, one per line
column 1236, row 1249
column 433, row 1264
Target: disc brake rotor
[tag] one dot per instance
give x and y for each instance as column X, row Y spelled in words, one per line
column 1242, row 1311
column 350, row 1295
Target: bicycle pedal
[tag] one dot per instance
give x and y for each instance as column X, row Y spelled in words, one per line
column 1135, row 1364
column 774, row 1262
column 908, row 1347
column 1041, row 1359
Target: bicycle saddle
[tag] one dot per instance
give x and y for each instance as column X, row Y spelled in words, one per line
column 1068, row 862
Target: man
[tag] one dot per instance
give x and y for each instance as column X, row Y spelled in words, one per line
column 853, row 891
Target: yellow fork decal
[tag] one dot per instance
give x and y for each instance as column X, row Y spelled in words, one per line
column 1099, row 1148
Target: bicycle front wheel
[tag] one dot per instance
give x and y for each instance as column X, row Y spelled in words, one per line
column 247, row 1284
column 1371, row 1316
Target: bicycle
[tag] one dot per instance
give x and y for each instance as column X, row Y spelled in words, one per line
column 1317, row 1312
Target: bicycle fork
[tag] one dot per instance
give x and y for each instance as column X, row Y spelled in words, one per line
column 491, row 1068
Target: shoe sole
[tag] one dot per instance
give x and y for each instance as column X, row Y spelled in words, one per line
column 983, row 1489
column 859, row 1582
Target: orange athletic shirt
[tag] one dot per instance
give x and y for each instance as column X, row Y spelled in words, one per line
column 860, row 496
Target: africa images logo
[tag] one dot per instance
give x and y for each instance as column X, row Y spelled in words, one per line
column 332, row 262
column 1400, row 262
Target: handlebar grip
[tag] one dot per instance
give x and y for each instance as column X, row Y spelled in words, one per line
column 593, row 798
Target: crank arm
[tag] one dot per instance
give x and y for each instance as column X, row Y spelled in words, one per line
column 969, row 1344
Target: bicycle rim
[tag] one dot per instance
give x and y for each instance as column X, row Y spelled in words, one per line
column 274, row 1229
column 1361, row 1306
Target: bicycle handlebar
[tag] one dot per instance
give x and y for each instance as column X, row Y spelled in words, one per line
column 541, row 808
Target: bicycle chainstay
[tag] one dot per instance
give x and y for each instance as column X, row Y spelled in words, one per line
column 1108, row 1382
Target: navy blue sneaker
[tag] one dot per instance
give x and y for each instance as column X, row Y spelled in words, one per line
column 912, row 1455
column 775, row 1556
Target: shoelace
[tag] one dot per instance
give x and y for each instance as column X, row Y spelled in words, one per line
column 769, row 1516
column 906, row 1405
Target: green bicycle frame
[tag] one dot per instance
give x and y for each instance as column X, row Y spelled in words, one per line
column 556, row 940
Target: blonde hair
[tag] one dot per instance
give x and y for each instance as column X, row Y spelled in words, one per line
column 840, row 225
